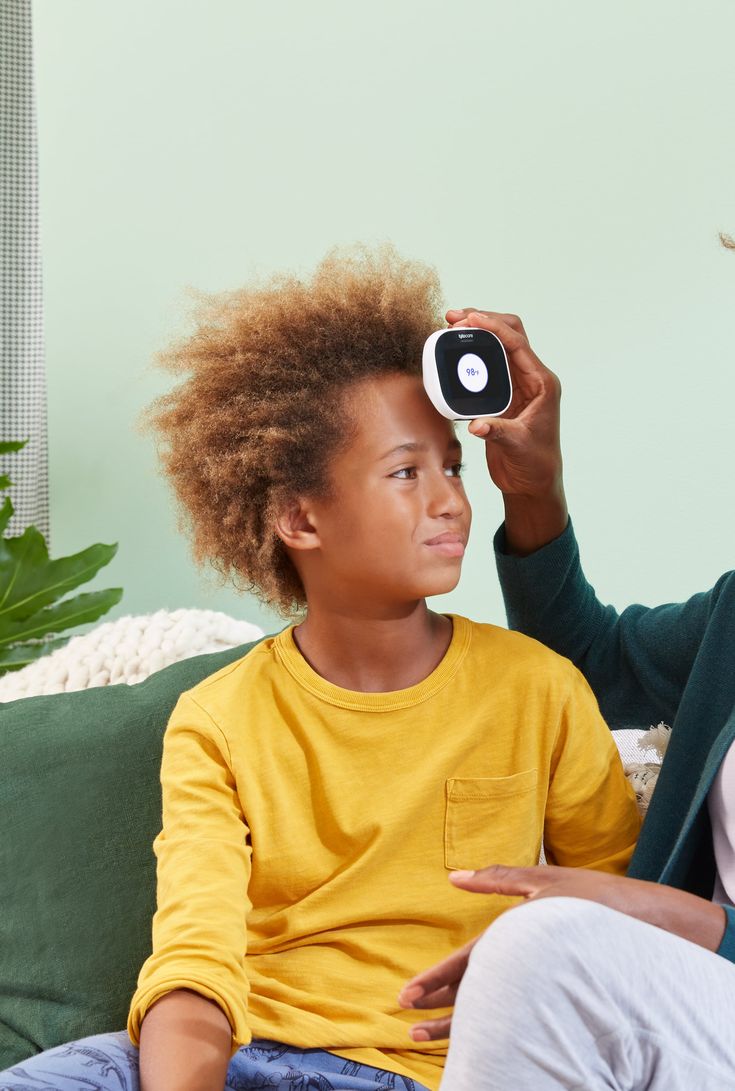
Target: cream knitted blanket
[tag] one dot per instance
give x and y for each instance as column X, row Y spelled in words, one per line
column 127, row 650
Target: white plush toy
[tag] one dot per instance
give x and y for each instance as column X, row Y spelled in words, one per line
column 643, row 775
column 127, row 650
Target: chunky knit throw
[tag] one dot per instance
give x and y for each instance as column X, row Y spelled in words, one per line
column 127, row 650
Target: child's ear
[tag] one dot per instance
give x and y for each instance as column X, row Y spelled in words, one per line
column 295, row 528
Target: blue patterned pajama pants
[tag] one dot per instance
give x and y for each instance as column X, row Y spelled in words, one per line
column 109, row 1062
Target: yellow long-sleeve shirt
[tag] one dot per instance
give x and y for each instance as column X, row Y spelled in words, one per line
column 308, row 831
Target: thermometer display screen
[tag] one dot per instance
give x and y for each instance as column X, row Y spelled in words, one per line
column 473, row 372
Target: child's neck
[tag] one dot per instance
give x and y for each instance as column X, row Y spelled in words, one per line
column 374, row 654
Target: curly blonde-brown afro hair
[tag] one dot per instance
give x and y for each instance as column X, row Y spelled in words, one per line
column 258, row 418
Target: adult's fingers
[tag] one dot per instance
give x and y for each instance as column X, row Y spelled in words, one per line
column 455, row 315
column 523, row 359
column 441, row 997
column 431, row 1029
column 499, row 429
column 499, row 879
column 445, row 974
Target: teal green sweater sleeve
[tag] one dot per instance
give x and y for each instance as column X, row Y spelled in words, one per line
column 727, row 946
column 637, row 662
column 672, row 663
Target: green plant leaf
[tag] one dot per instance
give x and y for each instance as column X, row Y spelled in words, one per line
column 6, row 448
column 6, row 513
column 31, row 585
column 30, row 581
column 20, row 655
column 54, row 619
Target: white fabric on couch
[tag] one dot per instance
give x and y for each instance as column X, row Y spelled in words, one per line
column 127, row 650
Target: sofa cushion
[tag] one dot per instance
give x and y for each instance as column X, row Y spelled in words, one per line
column 80, row 804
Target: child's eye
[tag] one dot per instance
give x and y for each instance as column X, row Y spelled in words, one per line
column 455, row 470
column 406, row 473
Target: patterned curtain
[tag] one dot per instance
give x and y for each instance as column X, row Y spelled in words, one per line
column 22, row 373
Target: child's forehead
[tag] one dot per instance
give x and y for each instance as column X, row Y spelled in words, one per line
column 394, row 409
column 374, row 393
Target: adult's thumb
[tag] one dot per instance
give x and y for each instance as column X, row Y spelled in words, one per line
column 494, row 429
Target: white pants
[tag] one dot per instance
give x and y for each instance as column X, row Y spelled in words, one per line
column 565, row 993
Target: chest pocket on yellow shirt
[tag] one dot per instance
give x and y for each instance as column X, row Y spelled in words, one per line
column 491, row 820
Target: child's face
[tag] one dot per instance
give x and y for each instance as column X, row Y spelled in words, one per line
column 395, row 526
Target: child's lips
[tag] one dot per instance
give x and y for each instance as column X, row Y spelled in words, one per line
column 447, row 544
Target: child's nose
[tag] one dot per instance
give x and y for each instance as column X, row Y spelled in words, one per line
column 447, row 498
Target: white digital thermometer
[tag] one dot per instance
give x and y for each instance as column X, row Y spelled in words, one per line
column 466, row 373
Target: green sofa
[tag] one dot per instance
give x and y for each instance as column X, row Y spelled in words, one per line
column 80, row 804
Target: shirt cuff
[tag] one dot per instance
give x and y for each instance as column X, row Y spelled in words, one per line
column 727, row 945
column 563, row 545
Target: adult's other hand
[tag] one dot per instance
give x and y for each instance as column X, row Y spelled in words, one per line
column 695, row 919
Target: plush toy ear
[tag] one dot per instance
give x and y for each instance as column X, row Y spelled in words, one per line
column 295, row 528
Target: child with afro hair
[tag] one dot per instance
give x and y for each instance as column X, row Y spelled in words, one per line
column 318, row 791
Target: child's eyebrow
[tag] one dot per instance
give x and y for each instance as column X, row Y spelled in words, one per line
column 454, row 447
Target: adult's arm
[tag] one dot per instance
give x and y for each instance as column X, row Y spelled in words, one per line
column 190, row 1007
column 686, row 915
column 637, row 662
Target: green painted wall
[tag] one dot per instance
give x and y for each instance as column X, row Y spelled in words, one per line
column 570, row 161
